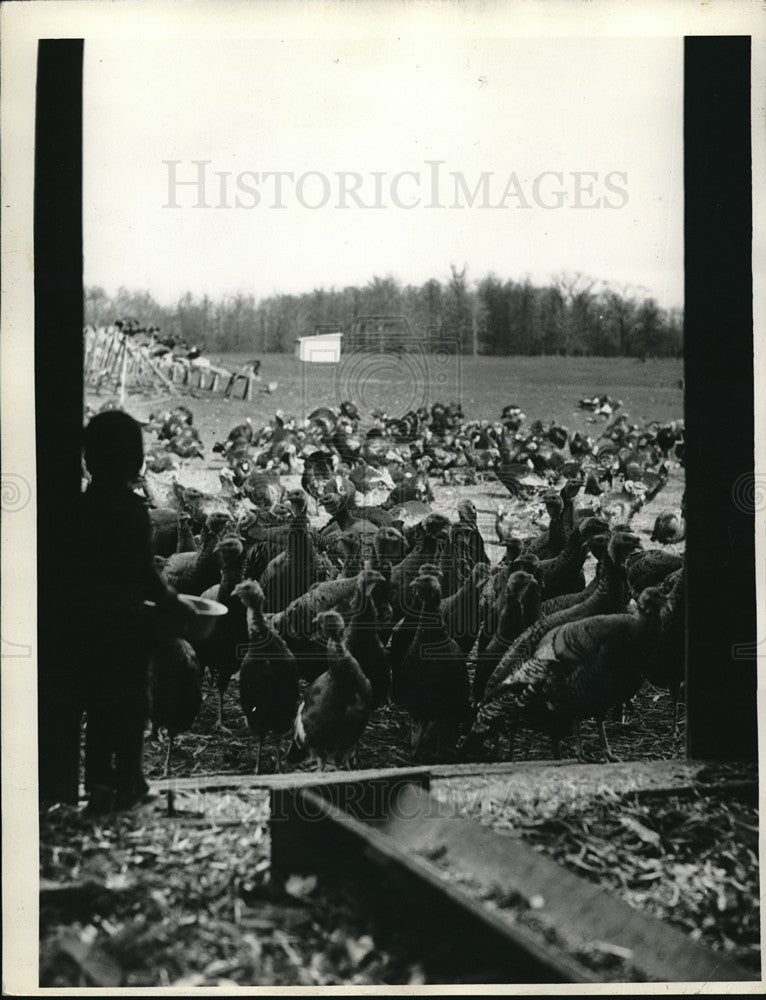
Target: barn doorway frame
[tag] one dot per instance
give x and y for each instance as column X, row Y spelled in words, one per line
column 722, row 652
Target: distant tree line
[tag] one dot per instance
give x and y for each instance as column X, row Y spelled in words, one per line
column 573, row 315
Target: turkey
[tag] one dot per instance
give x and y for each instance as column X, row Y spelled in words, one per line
column 455, row 558
column 292, row 572
column 175, row 421
column 390, row 548
column 193, row 572
column 318, row 471
column 408, row 515
column 560, row 507
column 186, row 443
column 350, row 411
column 268, row 677
column 462, row 550
column 411, row 488
column 346, row 549
column 668, row 434
column 427, row 549
column 580, row 445
column 667, row 668
column 552, row 541
column 619, row 507
column 504, row 523
column 336, row 707
column 564, row 573
column 649, row 568
column 163, row 513
column 296, row 623
column 568, row 492
column 461, row 609
column 362, row 637
column 164, row 524
column 268, row 538
column 655, row 481
column 322, row 421
column 597, row 545
column 184, row 536
column 343, row 521
column 158, row 459
column 190, row 500
column 367, row 478
column 433, row 685
column 466, row 512
column 519, row 611
column 175, row 689
column 577, row 671
column 242, row 432
column 609, row 597
column 236, row 449
column 341, row 594
column 668, row 528
column 263, row 489
column 220, row 651
column 345, row 443
column 491, row 602
column 405, row 628
column 595, row 480
column 373, row 513
column 518, row 477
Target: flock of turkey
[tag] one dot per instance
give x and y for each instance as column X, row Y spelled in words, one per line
column 394, row 597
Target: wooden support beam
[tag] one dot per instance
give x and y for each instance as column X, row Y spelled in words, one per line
column 59, row 386
column 567, row 779
column 721, row 488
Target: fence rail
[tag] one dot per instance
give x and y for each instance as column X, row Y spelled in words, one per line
column 114, row 362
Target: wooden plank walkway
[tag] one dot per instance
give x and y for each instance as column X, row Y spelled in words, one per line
column 623, row 777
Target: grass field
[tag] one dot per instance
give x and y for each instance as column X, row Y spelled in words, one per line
column 545, row 387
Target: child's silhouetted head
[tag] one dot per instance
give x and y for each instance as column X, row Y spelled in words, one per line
column 114, row 447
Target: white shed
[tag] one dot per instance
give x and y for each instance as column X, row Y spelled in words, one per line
column 320, row 348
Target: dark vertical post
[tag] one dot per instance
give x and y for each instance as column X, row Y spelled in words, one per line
column 59, row 396
column 718, row 336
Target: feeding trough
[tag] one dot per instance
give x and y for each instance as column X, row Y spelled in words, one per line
column 510, row 908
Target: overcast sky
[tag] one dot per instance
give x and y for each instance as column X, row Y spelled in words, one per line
column 523, row 123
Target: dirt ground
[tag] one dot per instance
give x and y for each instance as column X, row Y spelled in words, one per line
column 646, row 733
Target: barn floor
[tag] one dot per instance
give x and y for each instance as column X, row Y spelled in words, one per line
column 152, row 899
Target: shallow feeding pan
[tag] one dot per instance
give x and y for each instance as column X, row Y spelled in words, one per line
column 206, row 615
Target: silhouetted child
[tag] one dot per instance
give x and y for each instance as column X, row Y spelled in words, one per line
column 118, row 575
